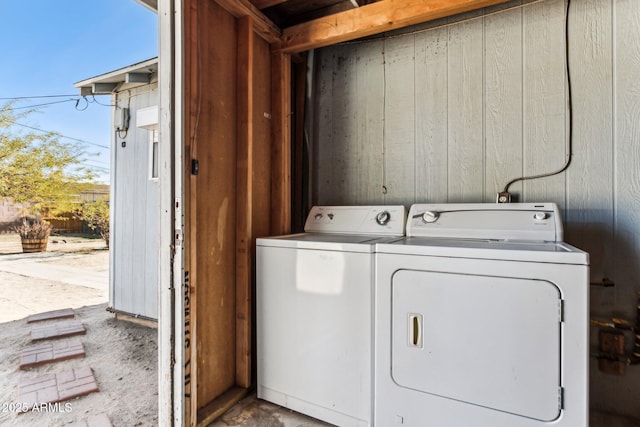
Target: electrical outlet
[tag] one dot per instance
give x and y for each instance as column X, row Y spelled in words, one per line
column 503, row 197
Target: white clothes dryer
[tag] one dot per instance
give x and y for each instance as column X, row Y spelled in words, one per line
column 481, row 320
column 315, row 312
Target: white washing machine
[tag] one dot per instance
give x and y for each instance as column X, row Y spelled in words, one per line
column 481, row 319
column 315, row 312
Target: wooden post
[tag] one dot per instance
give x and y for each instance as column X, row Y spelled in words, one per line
column 297, row 180
column 244, row 231
column 281, row 149
column 189, row 208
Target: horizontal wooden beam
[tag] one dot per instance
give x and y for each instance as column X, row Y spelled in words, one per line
column 261, row 24
column 137, row 78
column 263, row 4
column 371, row 19
column 104, row 88
column 219, row 406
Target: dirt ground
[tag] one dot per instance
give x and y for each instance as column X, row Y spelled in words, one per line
column 123, row 356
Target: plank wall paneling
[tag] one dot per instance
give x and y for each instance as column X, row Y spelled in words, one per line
column 399, row 120
column 431, row 70
column 471, row 102
column 544, row 100
column 465, row 113
column 627, row 145
column 368, row 124
column 620, row 394
column 322, row 125
column 362, row 121
column 299, row 154
column 589, row 216
column 503, row 101
column 134, row 281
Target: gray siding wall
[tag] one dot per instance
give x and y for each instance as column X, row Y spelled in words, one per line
column 135, row 210
column 452, row 111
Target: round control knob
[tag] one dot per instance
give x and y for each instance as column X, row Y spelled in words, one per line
column 383, row 218
column 430, row 216
column 539, row 216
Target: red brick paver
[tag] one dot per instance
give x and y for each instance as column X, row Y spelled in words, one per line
column 52, row 388
column 61, row 330
column 65, row 313
column 95, row 421
column 51, row 352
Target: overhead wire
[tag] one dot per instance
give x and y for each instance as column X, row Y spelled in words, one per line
column 94, row 100
column 94, row 164
column 15, row 98
column 44, row 104
column 97, row 166
column 57, row 134
column 74, row 98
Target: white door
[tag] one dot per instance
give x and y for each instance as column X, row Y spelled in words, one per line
column 483, row 340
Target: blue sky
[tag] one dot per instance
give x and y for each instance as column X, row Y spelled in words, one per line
column 48, row 45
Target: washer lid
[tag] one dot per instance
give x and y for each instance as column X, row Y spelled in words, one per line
column 327, row 242
column 509, row 221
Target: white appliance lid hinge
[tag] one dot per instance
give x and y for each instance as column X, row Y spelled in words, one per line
column 561, row 310
column 561, row 398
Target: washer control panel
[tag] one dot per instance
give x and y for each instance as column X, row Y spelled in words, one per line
column 489, row 221
column 376, row 220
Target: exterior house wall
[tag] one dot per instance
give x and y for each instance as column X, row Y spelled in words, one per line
column 134, row 210
column 453, row 110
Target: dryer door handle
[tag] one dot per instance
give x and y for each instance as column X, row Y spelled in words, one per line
column 415, row 330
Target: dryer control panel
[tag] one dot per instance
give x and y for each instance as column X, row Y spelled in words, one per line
column 487, row 221
column 375, row 220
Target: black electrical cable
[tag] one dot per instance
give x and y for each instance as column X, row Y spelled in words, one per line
column 78, row 104
column 570, row 102
column 44, row 105
column 15, row 98
column 98, row 102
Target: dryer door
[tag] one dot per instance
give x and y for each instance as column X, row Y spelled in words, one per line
column 483, row 340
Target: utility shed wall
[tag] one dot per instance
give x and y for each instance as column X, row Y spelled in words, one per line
column 453, row 110
column 135, row 204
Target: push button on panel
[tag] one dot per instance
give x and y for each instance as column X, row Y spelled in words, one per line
column 540, row 216
column 430, row 216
